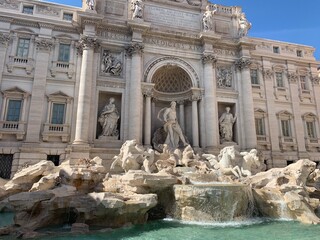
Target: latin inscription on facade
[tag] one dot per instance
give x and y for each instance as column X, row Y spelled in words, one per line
column 171, row 18
column 171, row 44
column 114, row 36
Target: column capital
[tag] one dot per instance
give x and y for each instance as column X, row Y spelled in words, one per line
column 148, row 92
column 4, row 39
column 134, row 48
column 208, row 58
column 196, row 94
column 43, row 44
column 242, row 63
column 87, row 42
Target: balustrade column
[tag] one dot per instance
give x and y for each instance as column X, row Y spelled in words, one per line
column 135, row 92
column 210, row 101
column 181, row 115
column 247, row 107
column 87, row 44
column 43, row 46
column 195, row 122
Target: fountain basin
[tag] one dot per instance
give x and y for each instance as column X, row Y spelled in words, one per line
column 212, row 202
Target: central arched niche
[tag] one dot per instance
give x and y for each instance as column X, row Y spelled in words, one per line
column 172, row 83
column 171, row 79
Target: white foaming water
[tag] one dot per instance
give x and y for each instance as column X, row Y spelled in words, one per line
column 248, row 222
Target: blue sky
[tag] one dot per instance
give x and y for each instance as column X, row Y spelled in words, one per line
column 295, row 21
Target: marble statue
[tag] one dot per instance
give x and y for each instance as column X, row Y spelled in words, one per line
column 171, row 126
column 207, row 19
column 226, row 122
column 108, row 119
column 137, row 9
column 110, row 64
column 244, row 25
column 90, row 4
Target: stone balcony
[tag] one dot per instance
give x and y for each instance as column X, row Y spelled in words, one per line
column 263, row 142
column 288, row 143
column 12, row 128
column 62, row 67
column 20, row 62
column 312, row 144
column 56, row 131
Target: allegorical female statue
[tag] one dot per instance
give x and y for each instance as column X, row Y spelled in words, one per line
column 244, row 25
column 108, row 119
column 137, row 9
column 207, row 19
column 226, row 122
column 90, row 4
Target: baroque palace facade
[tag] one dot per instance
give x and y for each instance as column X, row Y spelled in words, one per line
column 62, row 68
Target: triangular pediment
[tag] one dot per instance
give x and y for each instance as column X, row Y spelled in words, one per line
column 59, row 94
column 259, row 110
column 284, row 113
column 15, row 90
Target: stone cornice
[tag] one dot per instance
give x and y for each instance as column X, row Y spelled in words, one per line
column 44, row 44
column 134, row 48
column 46, row 25
column 242, row 63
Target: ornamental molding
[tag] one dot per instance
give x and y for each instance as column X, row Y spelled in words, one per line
column 46, row 25
column 134, row 48
column 208, row 58
column 148, row 90
column 224, row 78
column 315, row 80
column 44, row 44
column 267, row 73
column 4, row 39
column 11, row 4
column 242, row 63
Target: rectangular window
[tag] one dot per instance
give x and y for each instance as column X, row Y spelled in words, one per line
column 303, row 82
column 311, row 129
column 254, row 76
column 57, row 114
column 299, row 53
column 27, row 10
column 276, row 50
column 23, row 47
column 67, row 16
column 286, row 130
column 279, row 79
column 64, row 53
column 14, row 109
column 260, row 127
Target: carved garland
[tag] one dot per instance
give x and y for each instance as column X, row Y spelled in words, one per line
column 44, row 44
column 4, row 39
column 173, row 59
column 267, row 73
column 315, row 80
column 292, row 77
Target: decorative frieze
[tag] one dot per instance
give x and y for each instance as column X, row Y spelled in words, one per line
column 208, row 58
column 111, row 65
column 12, row 4
column 292, row 77
column 135, row 48
column 160, row 42
column 242, row 63
column 47, row 10
column 43, row 44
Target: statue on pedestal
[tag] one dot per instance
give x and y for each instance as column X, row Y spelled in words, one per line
column 90, row 4
column 108, row 119
column 226, row 122
column 137, row 9
column 207, row 19
column 244, row 25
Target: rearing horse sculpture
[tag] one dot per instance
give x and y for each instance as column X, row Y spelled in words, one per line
column 225, row 158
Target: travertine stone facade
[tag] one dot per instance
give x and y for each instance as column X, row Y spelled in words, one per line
column 60, row 65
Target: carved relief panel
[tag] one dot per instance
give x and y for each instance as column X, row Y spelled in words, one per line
column 111, row 63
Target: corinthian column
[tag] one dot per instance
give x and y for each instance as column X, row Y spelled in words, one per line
column 148, row 93
column 210, row 101
column 247, row 108
column 87, row 45
column 43, row 46
column 135, row 93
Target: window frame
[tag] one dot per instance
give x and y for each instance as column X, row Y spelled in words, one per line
column 25, row 50
column 56, row 103
column 25, row 7
column 257, row 82
column 8, row 109
column 67, row 14
column 278, row 73
column 276, row 49
column 62, row 52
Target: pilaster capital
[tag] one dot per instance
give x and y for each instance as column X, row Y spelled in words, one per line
column 292, row 77
column 242, row 63
column 267, row 73
column 44, row 44
column 4, row 39
column 196, row 94
column 87, row 42
column 208, row 58
column 134, row 48
column 148, row 89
